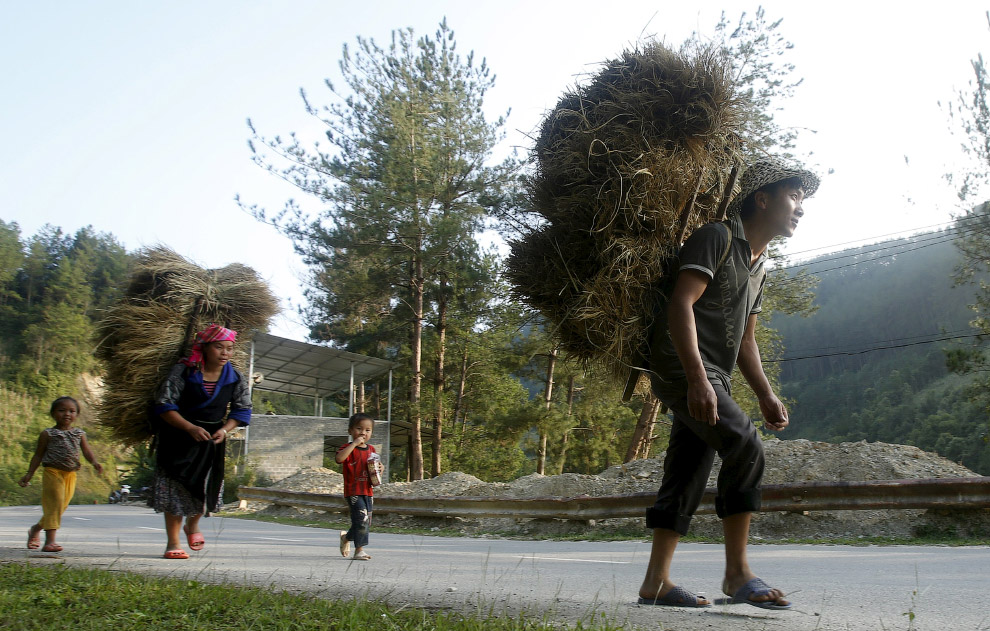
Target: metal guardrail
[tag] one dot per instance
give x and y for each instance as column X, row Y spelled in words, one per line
column 948, row 493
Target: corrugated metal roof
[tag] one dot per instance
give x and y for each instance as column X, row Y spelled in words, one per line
column 309, row 369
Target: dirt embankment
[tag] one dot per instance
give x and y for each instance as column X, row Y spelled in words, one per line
column 787, row 461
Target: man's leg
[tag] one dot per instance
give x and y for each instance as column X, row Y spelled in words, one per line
column 737, row 571
column 738, row 444
column 657, row 581
column 686, row 468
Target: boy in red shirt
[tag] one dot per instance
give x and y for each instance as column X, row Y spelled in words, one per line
column 353, row 459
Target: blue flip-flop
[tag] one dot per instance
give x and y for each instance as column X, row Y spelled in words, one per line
column 676, row 597
column 754, row 587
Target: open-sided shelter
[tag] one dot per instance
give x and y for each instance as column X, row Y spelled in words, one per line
column 280, row 445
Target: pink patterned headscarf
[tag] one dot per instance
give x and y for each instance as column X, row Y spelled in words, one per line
column 212, row 333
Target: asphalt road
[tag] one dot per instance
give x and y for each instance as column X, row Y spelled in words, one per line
column 833, row 587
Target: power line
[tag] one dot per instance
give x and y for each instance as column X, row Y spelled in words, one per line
column 871, row 350
column 964, row 227
column 910, row 338
column 882, row 236
column 786, row 280
column 900, row 246
column 966, row 219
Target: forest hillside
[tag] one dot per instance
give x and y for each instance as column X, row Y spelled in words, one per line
column 870, row 363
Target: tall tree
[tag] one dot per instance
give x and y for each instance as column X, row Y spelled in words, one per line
column 755, row 49
column 462, row 303
column 406, row 183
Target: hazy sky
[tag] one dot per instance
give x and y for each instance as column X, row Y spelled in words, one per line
column 130, row 116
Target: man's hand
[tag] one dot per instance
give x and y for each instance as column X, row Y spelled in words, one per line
column 702, row 402
column 774, row 413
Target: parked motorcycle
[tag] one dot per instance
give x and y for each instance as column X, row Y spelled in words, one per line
column 121, row 495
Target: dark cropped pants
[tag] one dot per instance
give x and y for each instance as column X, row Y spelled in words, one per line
column 689, row 460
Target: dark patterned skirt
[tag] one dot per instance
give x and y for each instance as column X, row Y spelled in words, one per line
column 188, row 473
column 171, row 496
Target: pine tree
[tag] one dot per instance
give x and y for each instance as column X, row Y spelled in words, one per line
column 406, row 189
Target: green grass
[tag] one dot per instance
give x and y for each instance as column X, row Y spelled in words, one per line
column 49, row 596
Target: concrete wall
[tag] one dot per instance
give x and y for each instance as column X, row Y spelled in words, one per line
column 279, row 446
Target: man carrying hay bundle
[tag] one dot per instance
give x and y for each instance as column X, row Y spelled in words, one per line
column 707, row 328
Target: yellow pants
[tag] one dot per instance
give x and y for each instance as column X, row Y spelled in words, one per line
column 57, row 489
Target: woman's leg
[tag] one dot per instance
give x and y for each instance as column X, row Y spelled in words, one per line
column 34, row 537
column 173, row 525
column 68, row 481
column 192, row 523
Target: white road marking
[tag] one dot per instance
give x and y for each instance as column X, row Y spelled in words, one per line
column 575, row 560
column 150, row 528
column 280, row 539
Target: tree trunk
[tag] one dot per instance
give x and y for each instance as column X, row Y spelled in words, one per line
column 651, row 431
column 457, row 414
column 461, row 387
column 438, row 378
column 640, row 437
column 378, row 401
column 541, row 454
column 408, row 459
column 416, row 370
column 567, row 432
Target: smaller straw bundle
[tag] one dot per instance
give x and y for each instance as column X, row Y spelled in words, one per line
column 152, row 326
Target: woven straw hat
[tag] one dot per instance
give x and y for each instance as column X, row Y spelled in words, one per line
column 770, row 171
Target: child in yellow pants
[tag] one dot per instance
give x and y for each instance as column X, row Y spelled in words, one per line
column 58, row 451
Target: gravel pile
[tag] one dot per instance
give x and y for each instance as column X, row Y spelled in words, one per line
column 787, row 461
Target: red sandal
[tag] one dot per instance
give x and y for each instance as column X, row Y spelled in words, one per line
column 196, row 541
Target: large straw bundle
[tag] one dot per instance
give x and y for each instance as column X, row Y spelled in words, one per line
column 147, row 331
column 625, row 167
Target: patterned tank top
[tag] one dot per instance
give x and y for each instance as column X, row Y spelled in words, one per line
column 63, row 448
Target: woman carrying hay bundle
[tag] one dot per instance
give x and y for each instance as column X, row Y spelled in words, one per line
column 193, row 407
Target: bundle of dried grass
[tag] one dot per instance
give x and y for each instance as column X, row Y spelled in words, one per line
column 625, row 167
column 147, row 331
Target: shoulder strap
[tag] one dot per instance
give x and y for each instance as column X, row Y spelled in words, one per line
column 728, row 247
